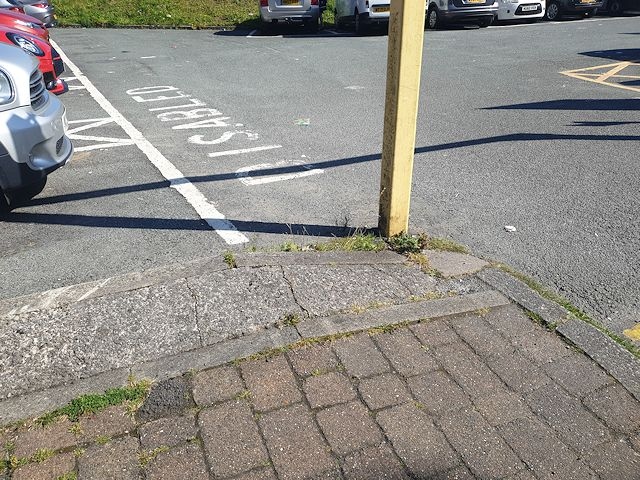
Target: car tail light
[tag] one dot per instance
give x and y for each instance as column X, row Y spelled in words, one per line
column 16, row 9
column 264, row 3
column 40, row 5
column 314, row 2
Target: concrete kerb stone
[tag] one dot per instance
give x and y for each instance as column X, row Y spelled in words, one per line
column 615, row 359
column 412, row 312
column 551, row 313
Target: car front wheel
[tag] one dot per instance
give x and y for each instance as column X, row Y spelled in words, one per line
column 24, row 194
column 433, row 18
column 553, row 11
column 485, row 22
column 4, row 204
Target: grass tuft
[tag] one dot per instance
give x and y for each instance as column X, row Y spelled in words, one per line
column 146, row 457
column 135, row 392
column 230, row 259
column 68, row 476
column 358, row 242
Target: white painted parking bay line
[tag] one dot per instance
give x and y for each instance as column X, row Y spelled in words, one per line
column 177, row 180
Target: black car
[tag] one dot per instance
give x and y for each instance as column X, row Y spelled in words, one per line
column 557, row 8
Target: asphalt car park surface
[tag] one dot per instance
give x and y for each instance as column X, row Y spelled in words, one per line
column 286, row 146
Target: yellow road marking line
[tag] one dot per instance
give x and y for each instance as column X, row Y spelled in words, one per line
column 601, row 77
column 614, row 76
column 613, row 71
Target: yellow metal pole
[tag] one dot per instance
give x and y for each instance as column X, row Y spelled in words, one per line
column 404, row 62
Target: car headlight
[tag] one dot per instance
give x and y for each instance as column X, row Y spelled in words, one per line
column 25, row 44
column 6, row 92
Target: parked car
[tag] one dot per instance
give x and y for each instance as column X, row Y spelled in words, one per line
column 11, row 5
column 618, row 7
column 51, row 64
column 40, row 9
column 480, row 12
column 33, row 142
column 523, row 10
column 305, row 12
column 362, row 13
column 24, row 23
column 557, row 8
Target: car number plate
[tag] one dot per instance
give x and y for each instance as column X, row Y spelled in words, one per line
column 529, row 8
column 290, row 2
column 381, row 9
column 65, row 122
column 475, row 1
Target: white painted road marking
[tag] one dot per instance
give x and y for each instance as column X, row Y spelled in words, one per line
column 177, row 180
column 244, row 177
column 103, row 142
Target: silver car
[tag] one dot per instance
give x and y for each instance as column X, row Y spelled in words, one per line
column 306, row 12
column 42, row 10
column 33, row 142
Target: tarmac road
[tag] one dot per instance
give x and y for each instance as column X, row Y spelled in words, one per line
column 286, row 142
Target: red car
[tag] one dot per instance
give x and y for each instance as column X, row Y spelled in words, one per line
column 51, row 64
column 24, row 23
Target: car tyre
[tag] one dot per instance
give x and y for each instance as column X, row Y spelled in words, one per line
column 4, row 203
column 315, row 25
column 614, row 7
column 433, row 18
column 553, row 11
column 485, row 22
column 24, row 194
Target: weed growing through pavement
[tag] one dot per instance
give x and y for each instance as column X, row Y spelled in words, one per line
column 78, row 452
column 41, row 455
column 290, row 247
column 68, row 476
column 386, row 328
column 244, row 395
column 75, row 428
column 135, row 393
column 289, row 320
column 146, row 457
column 103, row 439
column 404, row 243
column 230, row 259
column 358, row 242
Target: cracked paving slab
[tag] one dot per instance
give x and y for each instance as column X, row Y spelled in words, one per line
column 322, row 290
column 47, row 348
column 241, row 300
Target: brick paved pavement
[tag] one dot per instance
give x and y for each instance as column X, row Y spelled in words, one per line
column 456, row 398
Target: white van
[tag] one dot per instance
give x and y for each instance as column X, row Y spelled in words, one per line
column 362, row 13
column 525, row 10
column 479, row 12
